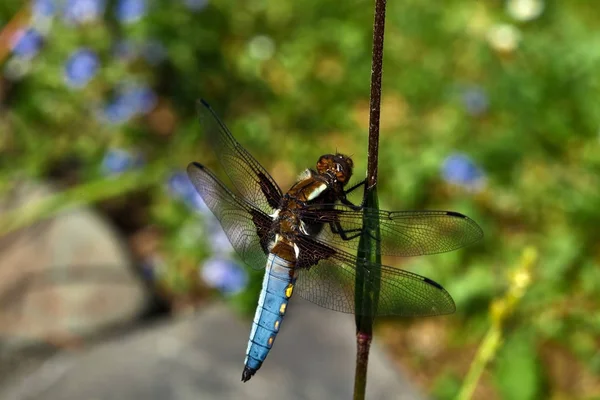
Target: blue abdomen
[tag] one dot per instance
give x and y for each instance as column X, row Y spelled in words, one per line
column 277, row 288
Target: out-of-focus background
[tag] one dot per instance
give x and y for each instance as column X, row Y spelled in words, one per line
column 489, row 108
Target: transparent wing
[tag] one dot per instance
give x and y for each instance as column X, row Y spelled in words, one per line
column 246, row 227
column 330, row 284
column 249, row 178
column 403, row 233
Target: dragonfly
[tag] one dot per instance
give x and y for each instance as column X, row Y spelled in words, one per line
column 305, row 238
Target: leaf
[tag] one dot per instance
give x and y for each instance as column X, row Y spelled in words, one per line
column 367, row 285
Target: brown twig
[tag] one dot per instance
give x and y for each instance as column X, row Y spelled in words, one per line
column 18, row 21
column 368, row 282
column 374, row 108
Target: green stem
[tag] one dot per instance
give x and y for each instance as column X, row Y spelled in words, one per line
column 84, row 194
column 485, row 353
column 501, row 310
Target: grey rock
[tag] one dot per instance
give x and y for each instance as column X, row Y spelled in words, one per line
column 201, row 357
column 64, row 278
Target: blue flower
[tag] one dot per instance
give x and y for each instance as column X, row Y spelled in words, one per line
column 130, row 10
column 475, row 100
column 217, row 239
column 179, row 184
column 81, row 11
column 142, row 98
column 459, row 169
column 195, row 5
column 225, row 275
column 181, row 187
column 118, row 111
column 132, row 99
column 81, row 67
column 27, row 43
column 117, row 161
column 43, row 8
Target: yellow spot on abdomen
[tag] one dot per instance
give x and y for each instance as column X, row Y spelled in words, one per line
column 276, row 325
column 288, row 290
column 282, row 308
column 270, row 341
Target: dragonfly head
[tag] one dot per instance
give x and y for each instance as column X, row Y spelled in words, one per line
column 336, row 166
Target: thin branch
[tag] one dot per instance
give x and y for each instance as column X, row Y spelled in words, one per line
column 375, row 109
column 363, row 345
column 18, row 21
column 368, row 282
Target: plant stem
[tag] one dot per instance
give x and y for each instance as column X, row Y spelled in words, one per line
column 375, row 109
column 485, row 353
column 84, row 194
column 368, row 281
column 502, row 308
column 19, row 20
column 363, row 344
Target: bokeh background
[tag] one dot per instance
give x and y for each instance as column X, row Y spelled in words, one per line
column 489, row 108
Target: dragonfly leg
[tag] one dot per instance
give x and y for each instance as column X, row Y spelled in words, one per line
column 359, row 184
column 347, row 234
column 347, row 202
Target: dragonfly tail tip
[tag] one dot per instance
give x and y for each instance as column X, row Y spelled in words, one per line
column 247, row 374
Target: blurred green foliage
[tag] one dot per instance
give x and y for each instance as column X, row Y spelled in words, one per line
column 518, row 99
